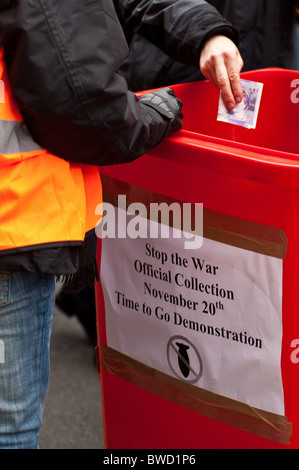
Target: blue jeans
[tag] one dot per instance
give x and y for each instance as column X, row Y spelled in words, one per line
column 26, row 313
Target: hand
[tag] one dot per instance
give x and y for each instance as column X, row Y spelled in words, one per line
column 221, row 63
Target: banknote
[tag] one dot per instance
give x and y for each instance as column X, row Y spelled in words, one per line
column 245, row 113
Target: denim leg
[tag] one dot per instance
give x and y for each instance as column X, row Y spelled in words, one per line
column 26, row 313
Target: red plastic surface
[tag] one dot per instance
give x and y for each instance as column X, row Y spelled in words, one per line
column 250, row 174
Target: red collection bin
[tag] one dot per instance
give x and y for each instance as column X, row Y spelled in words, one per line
column 248, row 183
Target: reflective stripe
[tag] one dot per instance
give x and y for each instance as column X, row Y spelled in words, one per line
column 15, row 138
column 43, row 197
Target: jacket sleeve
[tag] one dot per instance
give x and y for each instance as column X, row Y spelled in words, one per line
column 62, row 59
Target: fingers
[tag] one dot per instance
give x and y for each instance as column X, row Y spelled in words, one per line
column 232, row 90
column 221, row 63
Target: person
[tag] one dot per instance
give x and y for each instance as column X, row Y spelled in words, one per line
column 66, row 111
column 267, row 39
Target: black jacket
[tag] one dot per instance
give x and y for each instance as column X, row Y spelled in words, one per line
column 266, row 40
column 63, row 58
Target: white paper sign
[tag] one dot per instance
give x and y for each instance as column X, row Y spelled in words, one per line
column 211, row 317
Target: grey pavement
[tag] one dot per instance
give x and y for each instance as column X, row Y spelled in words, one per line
column 72, row 415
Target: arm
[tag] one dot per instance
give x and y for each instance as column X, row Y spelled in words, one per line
column 62, row 58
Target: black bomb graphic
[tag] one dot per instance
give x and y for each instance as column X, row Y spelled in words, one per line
column 184, row 359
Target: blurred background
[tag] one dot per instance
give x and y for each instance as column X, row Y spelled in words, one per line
column 72, row 416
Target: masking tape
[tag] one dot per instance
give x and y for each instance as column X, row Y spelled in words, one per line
column 231, row 412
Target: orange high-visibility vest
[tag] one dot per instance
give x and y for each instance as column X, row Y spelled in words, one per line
column 43, row 198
